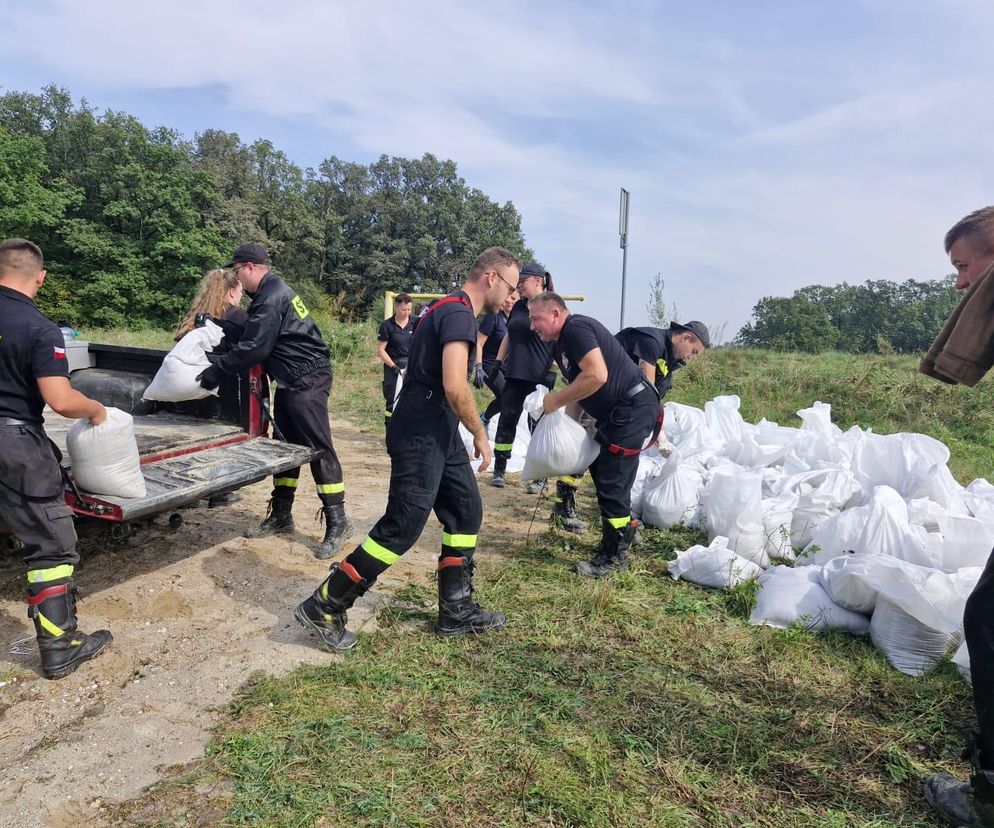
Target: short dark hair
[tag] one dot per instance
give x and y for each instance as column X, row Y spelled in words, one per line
column 402, row 298
column 979, row 226
column 21, row 256
column 490, row 259
column 548, row 297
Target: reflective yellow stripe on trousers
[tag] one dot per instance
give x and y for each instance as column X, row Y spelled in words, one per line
column 381, row 553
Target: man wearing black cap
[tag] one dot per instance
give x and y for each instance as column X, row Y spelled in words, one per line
column 282, row 335
column 608, row 387
column 660, row 351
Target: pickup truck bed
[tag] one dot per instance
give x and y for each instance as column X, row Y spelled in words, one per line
column 188, row 450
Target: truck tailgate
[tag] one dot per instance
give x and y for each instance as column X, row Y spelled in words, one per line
column 178, row 480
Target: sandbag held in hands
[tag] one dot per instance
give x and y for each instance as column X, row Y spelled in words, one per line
column 559, row 445
column 105, row 457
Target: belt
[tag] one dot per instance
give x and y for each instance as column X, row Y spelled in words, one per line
column 424, row 391
column 5, row 421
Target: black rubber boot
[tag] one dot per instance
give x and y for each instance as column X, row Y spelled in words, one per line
column 611, row 555
column 458, row 613
column 500, row 465
column 960, row 803
column 336, row 529
column 564, row 510
column 324, row 613
column 63, row 648
column 279, row 517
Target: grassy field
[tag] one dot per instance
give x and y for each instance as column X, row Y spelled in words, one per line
column 635, row 702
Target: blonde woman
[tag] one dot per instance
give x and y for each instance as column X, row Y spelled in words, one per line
column 219, row 298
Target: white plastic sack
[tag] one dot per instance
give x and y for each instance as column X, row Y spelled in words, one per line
column 725, row 422
column 836, row 536
column 908, row 645
column 559, row 445
column 176, row 379
column 674, row 495
column 105, row 457
column 849, row 580
column 519, row 447
column 712, row 566
column 966, row 542
column 778, row 513
column 788, row 596
column 733, row 504
column 888, row 532
column 832, row 490
column 650, row 462
column 962, row 662
column 896, row 460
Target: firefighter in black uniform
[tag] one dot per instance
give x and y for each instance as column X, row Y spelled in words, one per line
column 33, row 372
column 524, row 360
column 282, row 335
column 392, row 347
column 429, row 467
column 607, row 385
column 660, row 351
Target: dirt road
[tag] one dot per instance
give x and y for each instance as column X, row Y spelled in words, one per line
column 194, row 611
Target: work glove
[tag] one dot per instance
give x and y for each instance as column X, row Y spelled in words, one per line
column 479, row 377
column 209, row 378
column 397, row 370
column 494, row 370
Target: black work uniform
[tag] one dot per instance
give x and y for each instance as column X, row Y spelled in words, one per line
column 429, row 465
column 978, row 629
column 32, row 503
column 526, row 365
column 282, row 335
column 624, row 409
column 494, row 327
column 655, row 346
column 398, row 339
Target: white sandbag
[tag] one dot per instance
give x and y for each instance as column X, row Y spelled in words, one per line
column 650, row 462
column 778, row 514
column 686, row 427
column 792, row 595
column 979, row 497
column 833, row 488
column 896, row 460
column 817, row 439
column 966, row 542
column 962, row 661
column 105, row 457
column 559, row 445
column 733, row 506
column 908, row 645
column 764, row 444
column 713, row 566
column 838, row 535
column 939, row 485
column 519, row 447
column 673, row 495
column 888, row 532
column 849, row 580
column 176, row 379
column 725, row 422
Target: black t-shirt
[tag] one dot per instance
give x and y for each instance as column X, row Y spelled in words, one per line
column 578, row 337
column 31, row 346
column 445, row 322
column 528, row 357
column 494, row 327
column 652, row 345
column 398, row 338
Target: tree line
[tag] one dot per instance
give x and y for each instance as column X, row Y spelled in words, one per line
column 130, row 217
column 874, row 317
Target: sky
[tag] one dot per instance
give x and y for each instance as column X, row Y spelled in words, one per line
column 766, row 145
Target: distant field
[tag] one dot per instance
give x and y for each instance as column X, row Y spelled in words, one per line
column 635, row 702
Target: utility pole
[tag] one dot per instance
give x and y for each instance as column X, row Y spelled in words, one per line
column 623, row 232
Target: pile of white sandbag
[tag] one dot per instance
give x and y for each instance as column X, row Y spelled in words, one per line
column 864, row 532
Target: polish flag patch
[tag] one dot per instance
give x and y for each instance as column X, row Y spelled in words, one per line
column 59, row 353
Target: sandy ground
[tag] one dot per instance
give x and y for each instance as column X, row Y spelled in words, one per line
column 194, row 611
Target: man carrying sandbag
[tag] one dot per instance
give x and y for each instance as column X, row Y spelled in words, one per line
column 963, row 353
column 33, row 372
column 612, row 390
column 282, row 335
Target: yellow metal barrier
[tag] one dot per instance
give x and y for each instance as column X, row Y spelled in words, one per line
column 389, row 296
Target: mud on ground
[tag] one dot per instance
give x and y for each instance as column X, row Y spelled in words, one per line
column 195, row 611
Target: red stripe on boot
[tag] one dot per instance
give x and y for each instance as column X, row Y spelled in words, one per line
column 351, row 571
column 47, row 592
column 453, row 561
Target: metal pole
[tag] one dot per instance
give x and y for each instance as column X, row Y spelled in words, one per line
column 623, row 232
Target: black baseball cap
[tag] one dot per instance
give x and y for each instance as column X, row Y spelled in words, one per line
column 250, row 252
column 698, row 329
column 533, row 269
